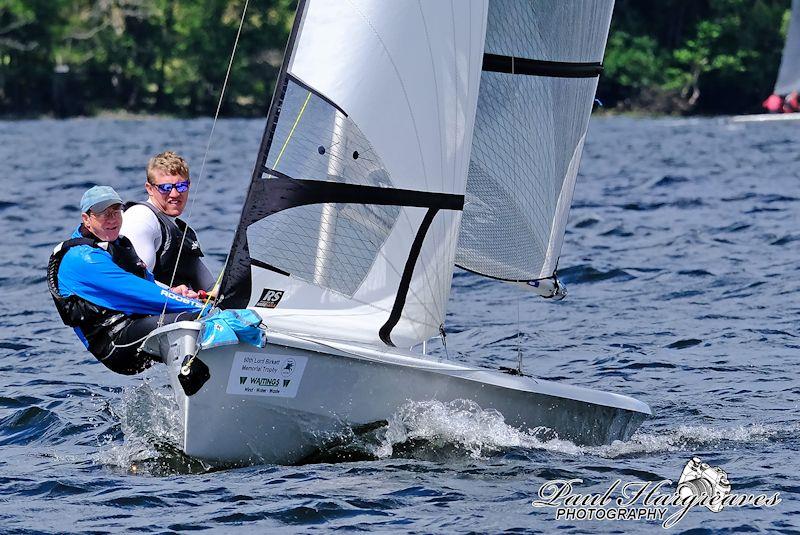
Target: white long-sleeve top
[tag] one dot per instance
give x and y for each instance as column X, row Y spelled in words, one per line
column 141, row 226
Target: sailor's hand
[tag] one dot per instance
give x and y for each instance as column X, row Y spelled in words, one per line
column 184, row 291
column 203, row 295
column 206, row 296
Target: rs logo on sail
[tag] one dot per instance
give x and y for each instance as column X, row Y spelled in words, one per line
column 269, row 298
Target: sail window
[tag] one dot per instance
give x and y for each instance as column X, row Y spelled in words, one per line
column 522, row 150
column 316, row 140
column 332, row 245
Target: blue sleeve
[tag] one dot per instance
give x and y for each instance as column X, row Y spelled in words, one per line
column 90, row 273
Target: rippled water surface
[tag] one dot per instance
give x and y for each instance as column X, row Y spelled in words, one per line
column 682, row 259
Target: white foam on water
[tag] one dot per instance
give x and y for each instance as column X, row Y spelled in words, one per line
column 480, row 432
column 688, row 438
column 462, row 423
column 147, row 417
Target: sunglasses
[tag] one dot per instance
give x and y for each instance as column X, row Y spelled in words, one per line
column 166, row 188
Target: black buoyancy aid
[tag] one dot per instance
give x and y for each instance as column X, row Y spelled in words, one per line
column 172, row 231
column 93, row 320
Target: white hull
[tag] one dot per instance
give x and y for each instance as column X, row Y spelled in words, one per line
column 342, row 385
column 766, row 118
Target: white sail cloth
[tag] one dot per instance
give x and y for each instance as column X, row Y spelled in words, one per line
column 529, row 134
column 384, row 115
column 382, row 95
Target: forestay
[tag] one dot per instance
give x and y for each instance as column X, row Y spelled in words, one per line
column 350, row 224
column 789, row 73
column 540, row 74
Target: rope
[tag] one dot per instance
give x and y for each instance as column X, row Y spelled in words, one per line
column 516, row 105
column 209, row 297
column 291, row 132
column 205, row 157
column 114, row 346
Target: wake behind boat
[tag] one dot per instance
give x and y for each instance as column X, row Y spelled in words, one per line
column 402, row 138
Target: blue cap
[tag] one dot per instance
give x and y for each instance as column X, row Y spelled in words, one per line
column 98, row 198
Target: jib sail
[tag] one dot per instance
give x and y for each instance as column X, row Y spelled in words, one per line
column 536, row 93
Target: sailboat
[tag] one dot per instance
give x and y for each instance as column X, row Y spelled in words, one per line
column 788, row 81
column 403, row 138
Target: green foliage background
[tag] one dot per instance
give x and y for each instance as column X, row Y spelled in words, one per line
column 693, row 56
column 68, row 57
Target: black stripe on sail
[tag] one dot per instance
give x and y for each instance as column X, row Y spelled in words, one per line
column 405, row 281
column 277, row 194
column 535, row 67
column 258, row 263
column 321, row 191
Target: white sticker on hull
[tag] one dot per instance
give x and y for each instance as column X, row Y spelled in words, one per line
column 259, row 374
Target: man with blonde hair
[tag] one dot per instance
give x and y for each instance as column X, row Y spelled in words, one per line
column 156, row 231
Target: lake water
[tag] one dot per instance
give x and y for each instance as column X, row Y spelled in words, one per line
column 682, row 259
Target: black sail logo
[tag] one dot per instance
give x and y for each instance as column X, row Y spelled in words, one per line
column 269, row 298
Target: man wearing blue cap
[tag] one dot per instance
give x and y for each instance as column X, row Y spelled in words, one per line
column 103, row 290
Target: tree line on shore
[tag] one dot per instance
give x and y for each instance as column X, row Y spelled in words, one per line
column 80, row 57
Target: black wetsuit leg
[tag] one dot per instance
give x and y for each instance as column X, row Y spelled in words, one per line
column 128, row 360
column 202, row 278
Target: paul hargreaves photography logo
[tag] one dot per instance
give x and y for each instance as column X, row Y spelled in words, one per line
column 699, row 485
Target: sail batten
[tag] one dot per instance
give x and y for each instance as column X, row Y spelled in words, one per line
column 535, row 67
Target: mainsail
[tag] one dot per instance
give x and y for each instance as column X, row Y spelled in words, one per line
column 789, row 73
column 350, row 224
column 540, row 74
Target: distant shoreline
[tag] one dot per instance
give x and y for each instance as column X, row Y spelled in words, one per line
column 124, row 115
column 107, row 114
